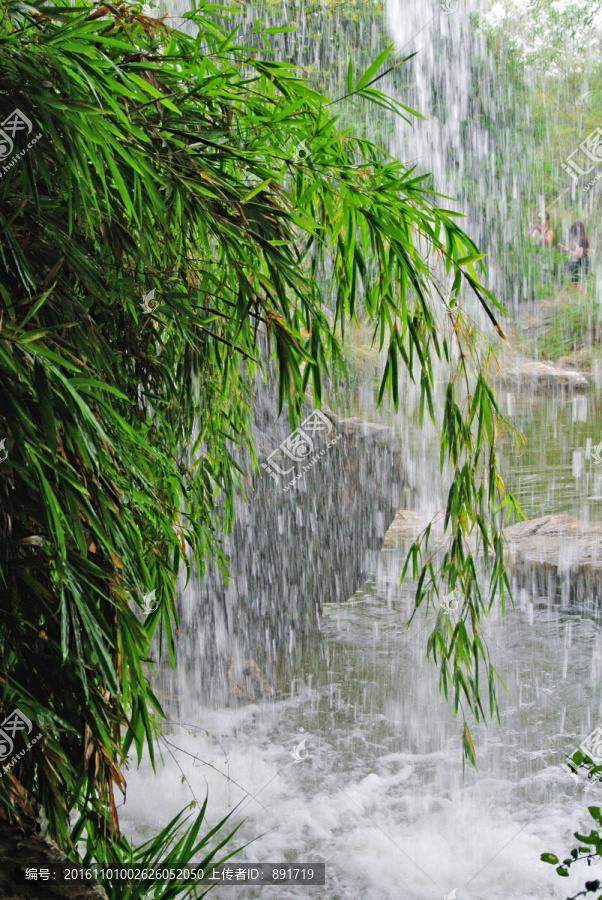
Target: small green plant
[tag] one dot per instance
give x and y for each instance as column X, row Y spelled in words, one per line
column 175, row 848
column 573, row 326
column 589, row 848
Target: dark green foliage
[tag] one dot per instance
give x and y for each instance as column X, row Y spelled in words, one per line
column 175, row 848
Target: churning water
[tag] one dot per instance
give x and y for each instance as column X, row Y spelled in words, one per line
column 354, row 758
column 381, row 797
column 379, row 793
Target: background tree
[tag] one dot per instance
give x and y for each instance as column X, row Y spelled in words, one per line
column 561, row 37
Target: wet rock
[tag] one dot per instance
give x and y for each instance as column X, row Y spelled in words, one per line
column 247, row 682
column 409, row 524
column 536, row 375
column 21, row 848
column 313, row 527
column 556, row 557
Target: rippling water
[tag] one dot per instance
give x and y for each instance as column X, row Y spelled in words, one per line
column 382, row 798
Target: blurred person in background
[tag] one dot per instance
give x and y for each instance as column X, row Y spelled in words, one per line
column 578, row 264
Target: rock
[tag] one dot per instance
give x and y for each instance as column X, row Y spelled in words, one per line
column 248, row 684
column 566, row 362
column 305, row 538
column 21, row 848
column 555, row 556
column 409, row 524
column 538, row 376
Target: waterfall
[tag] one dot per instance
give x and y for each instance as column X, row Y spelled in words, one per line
column 306, row 646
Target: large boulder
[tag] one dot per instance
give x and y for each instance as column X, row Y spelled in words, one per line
column 559, row 557
column 313, row 526
column 23, row 847
column 537, row 375
column 556, row 557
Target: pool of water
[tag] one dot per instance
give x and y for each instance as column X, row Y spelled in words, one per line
column 381, row 796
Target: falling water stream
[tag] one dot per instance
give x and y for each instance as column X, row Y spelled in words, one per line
column 379, row 792
column 381, row 797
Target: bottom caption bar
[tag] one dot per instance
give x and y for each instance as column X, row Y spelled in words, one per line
column 243, row 873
